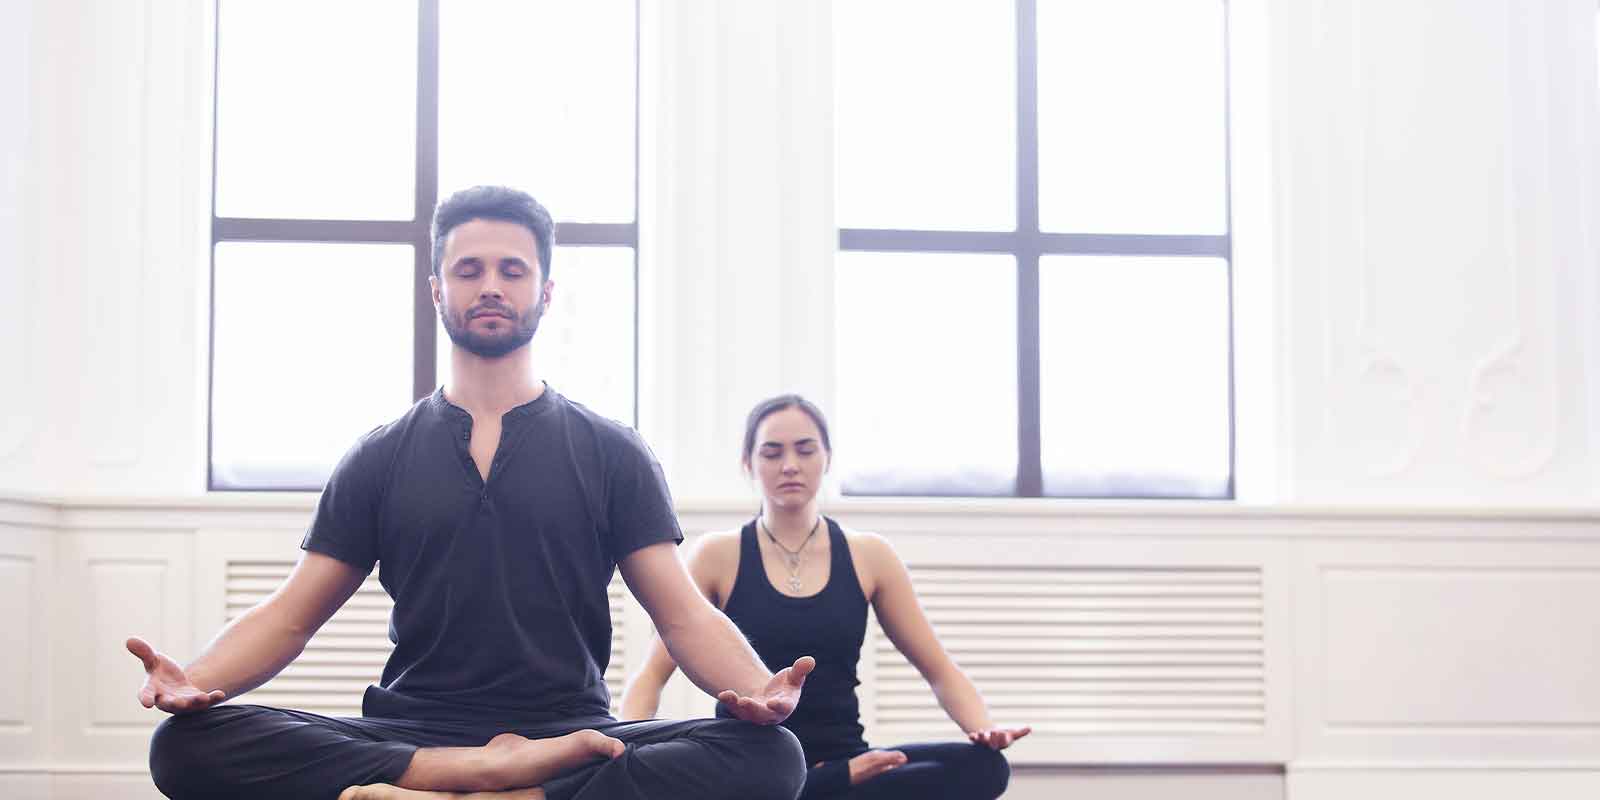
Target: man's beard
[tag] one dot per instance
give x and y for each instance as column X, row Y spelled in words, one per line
column 492, row 345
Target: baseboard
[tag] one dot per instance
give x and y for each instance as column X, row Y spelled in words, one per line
column 73, row 782
column 1455, row 781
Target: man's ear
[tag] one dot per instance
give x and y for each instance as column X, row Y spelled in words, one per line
column 433, row 288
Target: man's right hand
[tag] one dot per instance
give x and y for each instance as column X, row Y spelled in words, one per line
column 166, row 686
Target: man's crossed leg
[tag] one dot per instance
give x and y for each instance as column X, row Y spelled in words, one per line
column 258, row 752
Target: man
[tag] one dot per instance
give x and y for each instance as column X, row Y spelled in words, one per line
column 497, row 509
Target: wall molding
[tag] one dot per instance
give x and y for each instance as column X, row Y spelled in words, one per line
column 932, row 516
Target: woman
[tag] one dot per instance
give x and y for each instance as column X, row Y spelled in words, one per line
column 797, row 584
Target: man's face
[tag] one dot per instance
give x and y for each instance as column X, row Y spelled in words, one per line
column 490, row 289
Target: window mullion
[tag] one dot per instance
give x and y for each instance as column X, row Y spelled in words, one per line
column 423, row 377
column 1030, row 479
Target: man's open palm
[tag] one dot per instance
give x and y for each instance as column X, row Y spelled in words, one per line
column 166, row 686
column 777, row 701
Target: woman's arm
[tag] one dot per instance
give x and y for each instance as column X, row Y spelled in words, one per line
column 902, row 619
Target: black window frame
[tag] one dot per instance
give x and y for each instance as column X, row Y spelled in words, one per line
column 415, row 231
column 1028, row 243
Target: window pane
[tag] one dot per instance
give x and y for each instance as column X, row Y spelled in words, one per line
column 926, row 114
column 1132, row 135
column 316, row 109
column 540, row 95
column 927, row 373
column 584, row 345
column 312, row 349
column 1134, row 376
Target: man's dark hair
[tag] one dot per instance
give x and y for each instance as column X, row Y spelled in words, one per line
column 772, row 405
column 496, row 203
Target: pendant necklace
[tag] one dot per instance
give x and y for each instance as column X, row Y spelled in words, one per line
column 791, row 558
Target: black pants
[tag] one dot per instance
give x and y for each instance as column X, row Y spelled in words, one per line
column 242, row 752
column 953, row 770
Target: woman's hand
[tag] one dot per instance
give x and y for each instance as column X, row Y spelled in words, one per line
column 998, row 738
column 873, row 763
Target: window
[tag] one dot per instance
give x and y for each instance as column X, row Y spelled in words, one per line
column 1033, row 283
column 339, row 126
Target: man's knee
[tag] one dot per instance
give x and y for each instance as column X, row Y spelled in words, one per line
column 768, row 761
column 186, row 750
column 176, row 750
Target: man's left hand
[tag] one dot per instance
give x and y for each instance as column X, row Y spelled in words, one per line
column 774, row 703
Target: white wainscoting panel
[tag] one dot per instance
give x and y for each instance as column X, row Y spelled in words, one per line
column 19, row 598
column 1478, row 653
column 112, row 586
column 25, row 680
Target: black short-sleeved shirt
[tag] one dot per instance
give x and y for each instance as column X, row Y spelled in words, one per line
column 500, row 608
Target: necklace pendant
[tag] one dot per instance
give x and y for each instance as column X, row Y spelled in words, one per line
column 794, row 584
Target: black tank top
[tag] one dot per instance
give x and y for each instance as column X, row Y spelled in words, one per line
column 829, row 625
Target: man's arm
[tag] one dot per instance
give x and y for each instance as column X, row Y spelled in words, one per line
column 254, row 647
column 707, row 560
column 705, row 643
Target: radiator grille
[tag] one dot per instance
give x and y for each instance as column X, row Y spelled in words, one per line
column 1088, row 650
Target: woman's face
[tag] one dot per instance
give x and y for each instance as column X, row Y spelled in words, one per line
column 788, row 460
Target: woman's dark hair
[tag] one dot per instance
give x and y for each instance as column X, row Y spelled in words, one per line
column 772, row 405
column 498, row 203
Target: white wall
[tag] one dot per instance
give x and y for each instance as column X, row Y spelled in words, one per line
column 16, row 67
column 107, row 396
column 738, row 215
column 1415, row 180
column 1438, row 231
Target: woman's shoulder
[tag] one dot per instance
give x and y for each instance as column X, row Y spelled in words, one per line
column 857, row 537
column 716, row 546
column 868, row 545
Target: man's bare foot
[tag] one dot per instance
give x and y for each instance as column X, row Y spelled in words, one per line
column 383, row 791
column 508, row 761
column 515, row 761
